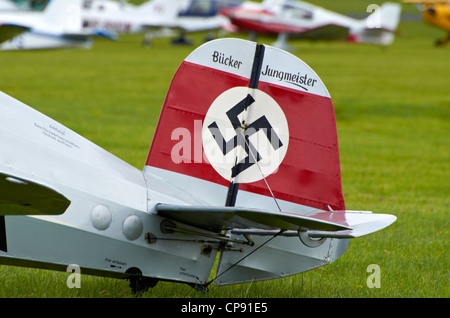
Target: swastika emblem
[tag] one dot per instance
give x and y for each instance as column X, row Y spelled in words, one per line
column 245, row 135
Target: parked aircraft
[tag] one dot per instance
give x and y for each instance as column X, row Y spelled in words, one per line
column 58, row 26
column 155, row 15
column 436, row 13
column 298, row 19
column 122, row 17
column 244, row 161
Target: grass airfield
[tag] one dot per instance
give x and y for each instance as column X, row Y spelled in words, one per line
column 393, row 116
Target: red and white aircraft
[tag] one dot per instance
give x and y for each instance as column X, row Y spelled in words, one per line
column 298, row 19
column 244, row 162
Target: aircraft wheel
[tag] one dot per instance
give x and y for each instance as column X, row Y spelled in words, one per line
column 138, row 283
column 146, row 43
column 181, row 41
column 141, row 284
column 441, row 42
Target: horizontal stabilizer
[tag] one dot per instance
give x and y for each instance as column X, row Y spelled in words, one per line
column 340, row 224
column 219, row 218
column 23, row 197
column 361, row 223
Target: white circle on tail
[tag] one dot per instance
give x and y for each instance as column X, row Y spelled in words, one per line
column 245, row 135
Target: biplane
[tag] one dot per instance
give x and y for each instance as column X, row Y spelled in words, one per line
column 244, row 164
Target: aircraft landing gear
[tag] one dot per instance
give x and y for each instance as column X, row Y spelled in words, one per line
column 138, row 283
column 181, row 40
column 443, row 42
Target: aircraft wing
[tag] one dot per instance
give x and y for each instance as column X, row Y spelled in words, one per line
column 327, row 32
column 24, row 197
column 9, row 31
column 92, row 33
column 333, row 32
column 189, row 24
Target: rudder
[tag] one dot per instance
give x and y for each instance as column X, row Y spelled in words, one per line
column 212, row 80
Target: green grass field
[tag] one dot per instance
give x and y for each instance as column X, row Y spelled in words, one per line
column 393, row 117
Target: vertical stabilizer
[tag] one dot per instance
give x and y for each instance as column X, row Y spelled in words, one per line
column 64, row 15
column 386, row 16
column 380, row 27
column 276, row 139
column 390, row 16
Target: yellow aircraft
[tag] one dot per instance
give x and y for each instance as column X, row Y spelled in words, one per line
column 437, row 13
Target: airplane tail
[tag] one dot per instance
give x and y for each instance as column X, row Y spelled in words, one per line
column 390, row 16
column 381, row 25
column 64, row 15
column 246, row 146
column 289, row 151
column 248, row 133
column 386, row 16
